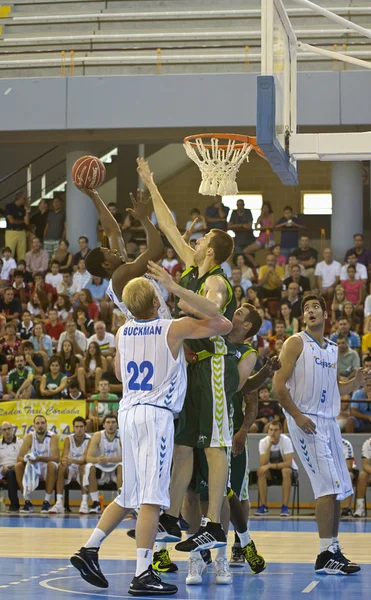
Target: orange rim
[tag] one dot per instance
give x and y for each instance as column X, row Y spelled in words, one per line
column 237, row 137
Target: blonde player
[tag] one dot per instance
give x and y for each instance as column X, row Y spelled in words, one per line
column 151, row 364
column 308, row 390
column 72, row 465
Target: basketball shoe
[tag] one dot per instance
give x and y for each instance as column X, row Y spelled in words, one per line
column 162, row 563
column 210, row 535
column 255, row 561
column 196, row 569
column 237, row 556
column 86, row 561
column 56, row 509
column 168, row 530
column 223, row 574
column 95, row 508
column 149, row 583
column 45, row 507
column 335, row 563
column 28, row 507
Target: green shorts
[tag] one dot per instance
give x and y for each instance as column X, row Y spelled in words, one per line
column 204, row 421
column 200, row 475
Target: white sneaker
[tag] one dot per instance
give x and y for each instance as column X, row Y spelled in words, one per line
column 223, row 574
column 360, row 512
column 196, row 568
column 58, row 508
column 84, row 508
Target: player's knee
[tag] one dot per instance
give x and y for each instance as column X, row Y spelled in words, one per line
column 261, row 473
column 363, row 476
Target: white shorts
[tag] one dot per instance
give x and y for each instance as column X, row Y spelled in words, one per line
column 73, row 474
column 322, row 457
column 104, row 475
column 43, row 467
column 147, row 438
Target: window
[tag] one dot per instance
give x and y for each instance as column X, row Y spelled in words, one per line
column 252, row 201
column 316, row 203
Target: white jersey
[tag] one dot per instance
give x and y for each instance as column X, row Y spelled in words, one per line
column 150, row 374
column 163, row 311
column 77, row 452
column 313, row 385
column 109, row 448
column 366, row 449
column 41, row 448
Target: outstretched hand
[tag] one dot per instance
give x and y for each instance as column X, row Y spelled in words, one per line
column 86, row 191
column 188, row 232
column 145, row 172
column 362, row 377
column 273, row 364
column 161, row 275
column 140, row 207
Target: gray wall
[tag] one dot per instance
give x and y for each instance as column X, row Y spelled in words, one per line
column 156, row 101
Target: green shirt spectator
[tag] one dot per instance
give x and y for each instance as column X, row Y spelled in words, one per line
column 19, row 380
column 104, row 408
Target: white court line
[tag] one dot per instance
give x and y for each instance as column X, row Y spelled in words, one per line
column 310, row 587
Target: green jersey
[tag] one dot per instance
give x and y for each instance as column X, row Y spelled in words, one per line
column 16, row 379
column 104, row 408
column 239, row 351
column 53, row 384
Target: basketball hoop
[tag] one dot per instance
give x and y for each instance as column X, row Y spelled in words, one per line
column 219, row 157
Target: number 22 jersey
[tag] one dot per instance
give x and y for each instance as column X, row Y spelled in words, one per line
column 313, row 384
column 150, row 374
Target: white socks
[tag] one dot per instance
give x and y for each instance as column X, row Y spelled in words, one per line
column 59, row 498
column 244, row 538
column 360, row 503
column 160, row 546
column 95, row 539
column 85, row 498
column 94, row 496
column 326, row 544
column 144, row 560
column 48, row 497
column 221, row 552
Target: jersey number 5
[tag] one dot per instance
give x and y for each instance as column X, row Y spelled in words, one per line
column 323, row 397
column 144, row 385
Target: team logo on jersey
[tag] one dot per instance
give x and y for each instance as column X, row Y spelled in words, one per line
column 323, row 363
column 202, row 438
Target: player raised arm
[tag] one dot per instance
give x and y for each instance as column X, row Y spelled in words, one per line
column 193, row 329
column 290, row 352
column 165, row 219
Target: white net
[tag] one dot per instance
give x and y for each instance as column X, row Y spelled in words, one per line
column 218, row 166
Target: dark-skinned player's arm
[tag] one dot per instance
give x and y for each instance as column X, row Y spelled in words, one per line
column 165, row 219
column 155, row 249
column 255, row 381
column 108, row 221
column 290, row 353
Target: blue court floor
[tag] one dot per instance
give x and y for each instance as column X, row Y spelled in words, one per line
column 45, row 578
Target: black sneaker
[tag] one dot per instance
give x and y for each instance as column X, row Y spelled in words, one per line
column 86, row 561
column 168, row 529
column 206, row 557
column 95, row 508
column 28, row 507
column 237, row 556
column 255, row 560
column 131, row 533
column 150, row 584
column 334, row 564
column 45, row 507
column 347, row 512
column 183, row 524
column 13, row 509
column 350, row 562
column 210, row 536
column 162, row 563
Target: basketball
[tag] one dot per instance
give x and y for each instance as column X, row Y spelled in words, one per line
column 88, row 172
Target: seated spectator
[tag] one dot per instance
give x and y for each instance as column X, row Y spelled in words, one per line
column 265, row 222
column 40, row 286
column 327, row 273
column 72, row 391
column 279, row 328
column 354, row 289
column 349, row 313
column 63, row 257
column 291, row 323
column 64, row 308
column 54, row 277
column 170, row 260
column 361, row 271
column 280, row 258
column 270, row 278
column 252, row 296
column 67, row 287
column 104, row 460
column 277, row 466
column 360, row 412
column 103, row 403
column 37, row 259
column 55, row 229
column 19, row 381
column 302, row 282
column 216, row 215
column 363, row 255
column 268, row 412
column 106, row 341
column 94, row 366
column 292, row 261
column 77, row 338
column 364, row 479
column 289, row 225
column 98, row 288
column 293, row 300
column 54, row 327
column 35, row 360
column 26, row 326
column 10, row 306
column 22, row 267
column 83, row 323
column 9, row 344
column 338, row 304
column 41, row 342
column 353, row 473
column 86, row 300
column 348, row 359
column 277, row 348
column 307, row 256
column 236, row 279
column 9, row 449
column 20, row 288
column 70, row 364
column 9, row 265
column 81, row 278
column 352, row 337
column 53, row 382
column 81, row 254
column 240, row 262
column 239, row 295
column 37, row 306
column 115, row 385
